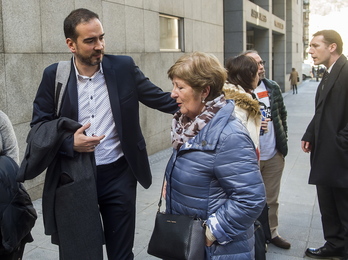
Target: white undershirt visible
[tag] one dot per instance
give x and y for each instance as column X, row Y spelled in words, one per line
column 268, row 139
column 94, row 107
column 329, row 69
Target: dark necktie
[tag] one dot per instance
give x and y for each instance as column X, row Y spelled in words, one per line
column 323, row 81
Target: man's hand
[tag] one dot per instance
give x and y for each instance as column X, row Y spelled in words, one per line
column 264, row 125
column 83, row 143
column 306, row 146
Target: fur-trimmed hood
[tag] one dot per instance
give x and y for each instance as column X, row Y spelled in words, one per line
column 247, row 110
column 242, row 99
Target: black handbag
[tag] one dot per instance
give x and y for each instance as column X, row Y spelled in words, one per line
column 177, row 237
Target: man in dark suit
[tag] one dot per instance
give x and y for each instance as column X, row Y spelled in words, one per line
column 103, row 94
column 326, row 138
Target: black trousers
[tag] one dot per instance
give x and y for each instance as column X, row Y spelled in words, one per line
column 116, row 186
column 333, row 204
column 294, row 89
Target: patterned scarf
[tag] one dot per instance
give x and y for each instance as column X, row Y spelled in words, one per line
column 183, row 129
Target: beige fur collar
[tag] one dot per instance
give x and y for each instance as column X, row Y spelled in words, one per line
column 243, row 100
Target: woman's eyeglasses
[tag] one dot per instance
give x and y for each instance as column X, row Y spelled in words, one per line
column 263, row 62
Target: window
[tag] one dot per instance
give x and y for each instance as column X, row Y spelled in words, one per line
column 250, row 40
column 171, row 33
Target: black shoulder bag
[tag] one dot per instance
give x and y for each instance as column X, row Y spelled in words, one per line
column 177, row 237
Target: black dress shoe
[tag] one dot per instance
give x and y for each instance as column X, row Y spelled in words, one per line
column 323, row 253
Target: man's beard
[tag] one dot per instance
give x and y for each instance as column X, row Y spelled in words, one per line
column 88, row 60
column 262, row 75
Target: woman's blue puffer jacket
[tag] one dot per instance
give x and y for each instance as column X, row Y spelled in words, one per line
column 216, row 177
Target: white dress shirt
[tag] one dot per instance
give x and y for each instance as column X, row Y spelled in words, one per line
column 94, row 107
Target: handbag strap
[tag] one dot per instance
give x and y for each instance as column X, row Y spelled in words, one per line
column 160, row 200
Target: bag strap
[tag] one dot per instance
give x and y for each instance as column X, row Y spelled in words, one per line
column 62, row 76
column 160, row 200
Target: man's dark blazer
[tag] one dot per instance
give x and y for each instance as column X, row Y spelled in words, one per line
column 328, row 130
column 126, row 85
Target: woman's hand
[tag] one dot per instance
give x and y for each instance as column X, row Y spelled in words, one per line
column 209, row 237
column 208, row 242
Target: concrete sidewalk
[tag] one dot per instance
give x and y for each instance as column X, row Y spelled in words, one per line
column 299, row 217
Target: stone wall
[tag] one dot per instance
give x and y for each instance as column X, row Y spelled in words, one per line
column 31, row 38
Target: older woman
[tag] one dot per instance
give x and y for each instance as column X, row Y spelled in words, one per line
column 213, row 172
column 242, row 79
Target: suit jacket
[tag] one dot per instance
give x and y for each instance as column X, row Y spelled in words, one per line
column 126, row 85
column 328, row 130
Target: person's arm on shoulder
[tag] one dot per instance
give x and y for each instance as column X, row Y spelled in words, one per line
column 8, row 138
column 151, row 95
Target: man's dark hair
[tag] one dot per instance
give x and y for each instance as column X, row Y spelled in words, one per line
column 242, row 70
column 76, row 17
column 331, row 36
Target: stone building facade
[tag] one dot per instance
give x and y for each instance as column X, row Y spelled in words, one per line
column 272, row 27
column 32, row 38
column 154, row 32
